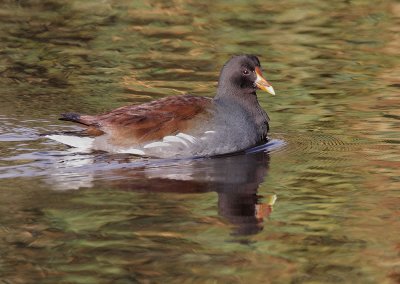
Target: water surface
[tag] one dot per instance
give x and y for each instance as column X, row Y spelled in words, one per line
column 318, row 204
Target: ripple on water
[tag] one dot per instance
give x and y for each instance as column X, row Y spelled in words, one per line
column 312, row 142
column 325, row 155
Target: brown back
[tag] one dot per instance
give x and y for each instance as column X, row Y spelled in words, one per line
column 150, row 121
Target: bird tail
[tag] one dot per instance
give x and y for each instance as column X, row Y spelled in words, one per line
column 93, row 128
column 72, row 116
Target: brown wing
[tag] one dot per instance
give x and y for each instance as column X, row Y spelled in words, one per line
column 149, row 121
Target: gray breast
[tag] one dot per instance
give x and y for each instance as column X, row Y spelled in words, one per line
column 236, row 128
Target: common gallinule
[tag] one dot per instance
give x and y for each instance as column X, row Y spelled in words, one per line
column 184, row 126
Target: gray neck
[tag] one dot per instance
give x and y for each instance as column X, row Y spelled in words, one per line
column 227, row 90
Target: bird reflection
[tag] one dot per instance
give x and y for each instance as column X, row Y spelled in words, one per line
column 235, row 179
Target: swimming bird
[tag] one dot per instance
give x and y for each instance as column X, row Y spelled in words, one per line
column 185, row 125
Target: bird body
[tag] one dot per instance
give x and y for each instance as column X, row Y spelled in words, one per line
column 185, row 126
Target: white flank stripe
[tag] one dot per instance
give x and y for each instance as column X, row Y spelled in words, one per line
column 155, row 144
column 189, row 138
column 175, row 139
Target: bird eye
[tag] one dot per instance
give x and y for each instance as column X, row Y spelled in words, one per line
column 245, row 72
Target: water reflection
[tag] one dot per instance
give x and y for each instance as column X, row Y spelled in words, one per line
column 235, row 179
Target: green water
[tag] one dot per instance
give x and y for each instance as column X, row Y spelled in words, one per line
column 322, row 205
